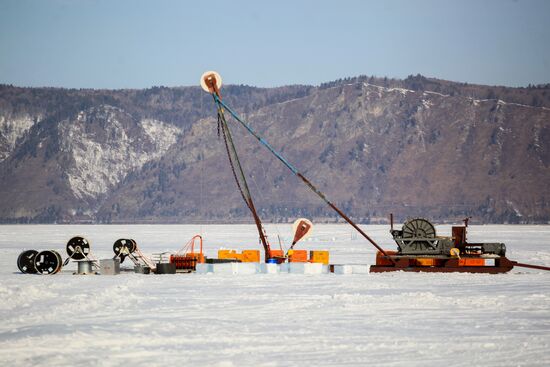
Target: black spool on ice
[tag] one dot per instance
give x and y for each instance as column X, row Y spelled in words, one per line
column 78, row 248
column 48, row 262
column 124, row 247
column 25, row 262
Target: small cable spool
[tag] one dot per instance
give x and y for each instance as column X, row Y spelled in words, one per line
column 48, row 262
column 78, row 248
column 25, row 262
column 124, row 247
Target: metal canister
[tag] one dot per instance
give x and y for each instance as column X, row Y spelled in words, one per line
column 84, row 267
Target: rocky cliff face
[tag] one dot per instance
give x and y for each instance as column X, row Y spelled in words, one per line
column 374, row 146
column 72, row 164
column 11, row 129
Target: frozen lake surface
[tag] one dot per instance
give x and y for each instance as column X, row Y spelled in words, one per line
column 393, row 319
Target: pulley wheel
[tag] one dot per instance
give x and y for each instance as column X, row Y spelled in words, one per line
column 210, row 77
column 78, row 248
column 48, row 262
column 25, row 262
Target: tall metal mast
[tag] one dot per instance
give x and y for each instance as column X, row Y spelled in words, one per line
column 211, row 82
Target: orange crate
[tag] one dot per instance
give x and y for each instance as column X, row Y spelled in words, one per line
column 382, row 261
column 298, row 256
column 229, row 254
column 277, row 253
column 319, row 257
column 251, row 256
column 471, row 262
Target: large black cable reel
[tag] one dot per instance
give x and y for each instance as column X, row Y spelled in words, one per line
column 78, row 248
column 48, row 262
column 25, row 262
column 124, row 247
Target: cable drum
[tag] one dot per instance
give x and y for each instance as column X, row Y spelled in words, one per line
column 78, row 248
column 417, row 237
column 48, row 262
column 418, row 228
column 25, row 262
column 124, row 247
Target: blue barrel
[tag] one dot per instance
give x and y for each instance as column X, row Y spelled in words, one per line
column 272, row 261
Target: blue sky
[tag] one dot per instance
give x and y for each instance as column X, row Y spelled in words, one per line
column 137, row 44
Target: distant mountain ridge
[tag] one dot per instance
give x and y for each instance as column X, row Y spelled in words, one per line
column 415, row 147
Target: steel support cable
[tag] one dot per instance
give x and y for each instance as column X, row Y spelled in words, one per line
column 221, row 105
column 232, row 154
column 145, row 259
column 227, row 136
column 232, row 151
column 247, row 196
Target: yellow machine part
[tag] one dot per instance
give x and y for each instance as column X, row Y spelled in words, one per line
column 454, row 252
column 319, row 257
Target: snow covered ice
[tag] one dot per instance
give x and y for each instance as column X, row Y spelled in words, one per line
column 396, row 319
